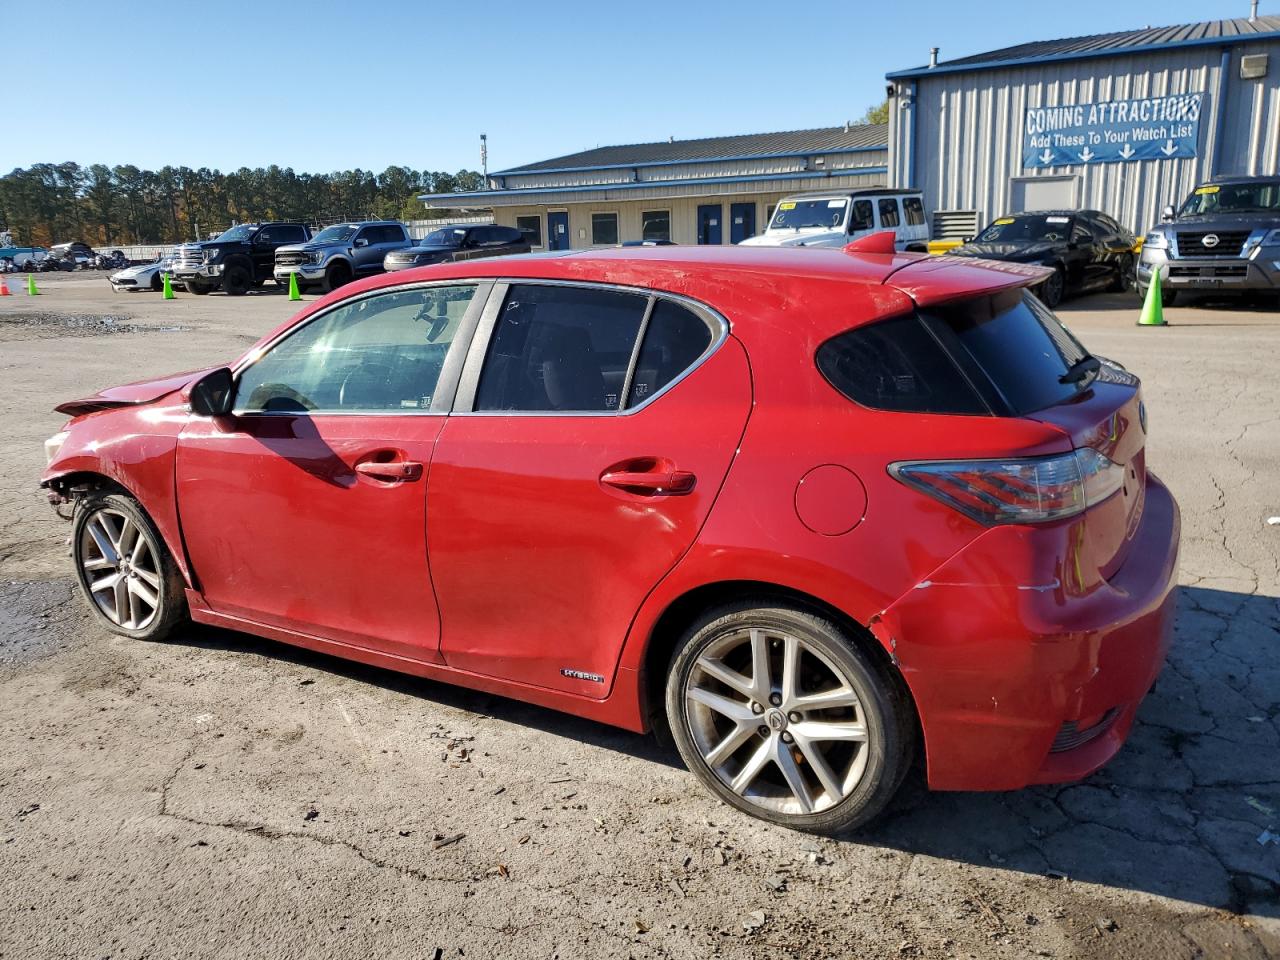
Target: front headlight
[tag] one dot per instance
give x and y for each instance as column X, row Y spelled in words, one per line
column 211, row 255
column 1156, row 241
column 1271, row 239
column 53, row 445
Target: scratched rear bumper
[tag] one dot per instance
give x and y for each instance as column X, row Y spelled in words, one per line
column 1002, row 646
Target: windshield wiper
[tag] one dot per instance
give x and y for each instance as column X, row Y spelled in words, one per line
column 1081, row 370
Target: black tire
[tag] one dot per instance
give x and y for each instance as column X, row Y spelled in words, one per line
column 199, row 289
column 157, row 282
column 155, row 564
column 883, row 708
column 337, row 275
column 1050, row 292
column 284, row 284
column 1124, row 276
column 236, row 280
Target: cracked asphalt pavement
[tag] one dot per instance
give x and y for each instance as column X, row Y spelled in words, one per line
column 224, row 796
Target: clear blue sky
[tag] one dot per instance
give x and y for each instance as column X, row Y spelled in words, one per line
column 321, row 86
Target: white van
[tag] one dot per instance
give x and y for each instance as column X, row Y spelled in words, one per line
column 834, row 218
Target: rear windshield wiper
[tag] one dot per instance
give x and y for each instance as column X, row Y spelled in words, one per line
column 1081, row 370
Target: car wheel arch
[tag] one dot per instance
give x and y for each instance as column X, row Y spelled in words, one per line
column 681, row 612
column 101, row 479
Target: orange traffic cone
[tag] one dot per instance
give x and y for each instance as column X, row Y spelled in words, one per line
column 4, row 289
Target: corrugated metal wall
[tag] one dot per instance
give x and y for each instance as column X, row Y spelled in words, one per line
column 968, row 130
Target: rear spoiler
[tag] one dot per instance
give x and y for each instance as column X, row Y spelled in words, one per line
column 933, row 280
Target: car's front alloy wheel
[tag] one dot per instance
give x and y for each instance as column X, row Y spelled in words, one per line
column 783, row 717
column 124, row 569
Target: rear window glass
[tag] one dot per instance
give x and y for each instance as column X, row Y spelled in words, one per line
column 1003, row 355
column 1018, row 344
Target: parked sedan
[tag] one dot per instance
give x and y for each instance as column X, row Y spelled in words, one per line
column 1086, row 250
column 146, row 276
column 912, row 520
column 458, row 243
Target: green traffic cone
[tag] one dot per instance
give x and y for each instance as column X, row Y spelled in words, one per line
column 31, row 286
column 168, row 287
column 1152, row 310
column 293, row 287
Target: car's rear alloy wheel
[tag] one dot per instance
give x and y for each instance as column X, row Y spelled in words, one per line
column 784, row 717
column 124, row 569
column 1050, row 292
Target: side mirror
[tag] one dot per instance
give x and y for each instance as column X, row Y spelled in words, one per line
column 211, row 395
column 1167, row 214
column 361, row 242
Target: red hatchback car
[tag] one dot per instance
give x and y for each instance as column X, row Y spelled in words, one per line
column 829, row 512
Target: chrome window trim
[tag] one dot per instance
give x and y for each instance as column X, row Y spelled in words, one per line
column 466, row 393
column 440, row 407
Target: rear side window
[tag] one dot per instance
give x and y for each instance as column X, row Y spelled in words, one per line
column 897, row 365
column 913, row 211
column 673, row 341
column 560, row 349
column 1002, row 355
column 889, row 212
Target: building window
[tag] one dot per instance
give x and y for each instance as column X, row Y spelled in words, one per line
column 604, row 229
column 889, row 212
column 913, row 211
column 655, row 225
column 531, row 229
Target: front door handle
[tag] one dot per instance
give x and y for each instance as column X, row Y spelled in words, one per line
column 394, row 470
column 653, row 483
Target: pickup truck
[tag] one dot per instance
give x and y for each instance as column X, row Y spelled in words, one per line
column 340, row 253
column 240, row 259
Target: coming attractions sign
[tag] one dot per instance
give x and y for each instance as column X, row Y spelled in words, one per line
column 1114, row 131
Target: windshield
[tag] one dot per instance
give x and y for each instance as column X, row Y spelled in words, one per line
column 1030, row 229
column 448, row 237
column 798, row 214
column 335, row 234
column 242, row 232
column 1263, row 197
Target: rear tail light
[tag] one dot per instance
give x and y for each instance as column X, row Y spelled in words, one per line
column 1024, row 490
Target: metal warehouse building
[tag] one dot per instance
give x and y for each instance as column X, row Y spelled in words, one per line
column 1121, row 122
column 714, row 190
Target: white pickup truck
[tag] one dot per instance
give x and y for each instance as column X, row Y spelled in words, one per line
column 834, row 218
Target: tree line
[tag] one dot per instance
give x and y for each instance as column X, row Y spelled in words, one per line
column 50, row 203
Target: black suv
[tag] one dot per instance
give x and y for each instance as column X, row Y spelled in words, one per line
column 458, row 243
column 1224, row 239
column 240, row 259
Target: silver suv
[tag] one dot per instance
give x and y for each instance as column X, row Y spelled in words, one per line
column 1224, row 239
column 341, row 253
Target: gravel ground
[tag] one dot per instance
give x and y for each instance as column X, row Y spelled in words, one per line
column 223, row 796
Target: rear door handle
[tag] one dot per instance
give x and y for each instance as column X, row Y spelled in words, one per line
column 648, row 483
column 401, row 470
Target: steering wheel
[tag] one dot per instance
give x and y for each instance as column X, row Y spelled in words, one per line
column 358, row 386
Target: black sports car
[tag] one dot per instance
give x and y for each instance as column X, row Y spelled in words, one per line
column 1087, row 249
